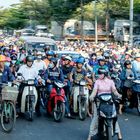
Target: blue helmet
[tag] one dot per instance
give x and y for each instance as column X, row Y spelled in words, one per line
column 50, row 53
column 80, row 60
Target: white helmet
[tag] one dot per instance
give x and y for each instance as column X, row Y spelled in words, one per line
column 137, row 55
column 68, row 58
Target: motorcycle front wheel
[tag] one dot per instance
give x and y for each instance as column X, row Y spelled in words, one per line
column 8, row 116
column 59, row 111
column 82, row 109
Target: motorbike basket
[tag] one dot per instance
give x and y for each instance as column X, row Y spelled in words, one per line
column 9, row 93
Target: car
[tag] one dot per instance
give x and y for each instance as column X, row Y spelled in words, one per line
column 74, row 55
column 39, row 43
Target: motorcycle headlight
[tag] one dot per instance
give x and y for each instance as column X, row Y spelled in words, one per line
column 106, row 97
column 30, row 82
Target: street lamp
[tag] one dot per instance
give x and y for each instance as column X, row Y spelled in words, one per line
column 131, row 22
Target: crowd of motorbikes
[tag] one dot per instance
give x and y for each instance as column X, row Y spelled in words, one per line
column 55, row 103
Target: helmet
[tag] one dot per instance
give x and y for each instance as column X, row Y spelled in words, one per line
column 68, row 58
column 80, row 60
column 102, row 71
column 54, row 60
column 50, row 53
column 29, row 58
column 101, row 58
column 2, row 58
column 127, row 62
column 106, row 55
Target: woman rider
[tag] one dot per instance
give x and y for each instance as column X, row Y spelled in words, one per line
column 102, row 85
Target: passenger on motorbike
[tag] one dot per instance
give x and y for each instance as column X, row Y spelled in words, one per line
column 28, row 71
column 93, row 60
column 66, row 69
column 39, row 63
column 103, row 85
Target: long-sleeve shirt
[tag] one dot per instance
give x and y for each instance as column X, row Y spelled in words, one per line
column 28, row 72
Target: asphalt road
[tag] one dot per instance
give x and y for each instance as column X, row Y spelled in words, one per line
column 45, row 128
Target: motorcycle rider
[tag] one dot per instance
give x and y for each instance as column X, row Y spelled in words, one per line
column 5, row 72
column 136, row 71
column 102, row 85
column 54, row 73
column 101, row 64
column 29, row 71
column 126, row 77
column 49, row 55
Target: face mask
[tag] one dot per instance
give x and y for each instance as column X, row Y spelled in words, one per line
column 7, row 64
column 101, row 76
column 51, row 65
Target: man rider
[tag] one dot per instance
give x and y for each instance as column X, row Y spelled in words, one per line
column 29, row 71
column 49, row 55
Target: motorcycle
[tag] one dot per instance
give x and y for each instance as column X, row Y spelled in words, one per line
column 80, row 99
column 107, row 115
column 56, row 101
column 29, row 97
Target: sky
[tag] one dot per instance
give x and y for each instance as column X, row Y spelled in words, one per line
column 7, row 3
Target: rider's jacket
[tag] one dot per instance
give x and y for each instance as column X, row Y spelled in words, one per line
column 92, row 63
column 28, row 72
column 124, row 77
column 136, row 69
column 78, row 76
column 95, row 69
column 54, row 74
column 6, row 76
column 66, row 70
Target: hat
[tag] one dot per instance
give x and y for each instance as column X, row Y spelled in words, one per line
column 137, row 55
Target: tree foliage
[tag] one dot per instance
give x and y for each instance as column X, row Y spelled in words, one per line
column 32, row 12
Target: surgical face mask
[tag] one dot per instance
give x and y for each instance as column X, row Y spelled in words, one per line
column 7, row 64
column 51, row 65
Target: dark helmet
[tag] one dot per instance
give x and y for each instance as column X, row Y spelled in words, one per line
column 106, row 55
column 54, row 60
column 127, row 62
column 102, row 71
column 51, row 53
column 29, row 58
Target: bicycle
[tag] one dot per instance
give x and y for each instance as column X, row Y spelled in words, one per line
column 8, row 97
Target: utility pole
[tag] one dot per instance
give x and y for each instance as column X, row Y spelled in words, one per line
column 82, row 20
column 96, row 22
column 107, row 19
column 131, row 22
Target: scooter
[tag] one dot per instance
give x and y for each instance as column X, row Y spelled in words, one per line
column 29, row 97
column 56, row 101
column 80, row 99
column 107, row 115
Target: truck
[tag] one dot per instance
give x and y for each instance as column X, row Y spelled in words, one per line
column 122, row 31
column 42, row 31
column 72, row 30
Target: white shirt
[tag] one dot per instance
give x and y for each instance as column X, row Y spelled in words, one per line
column 40, row 65
column 28, row 72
